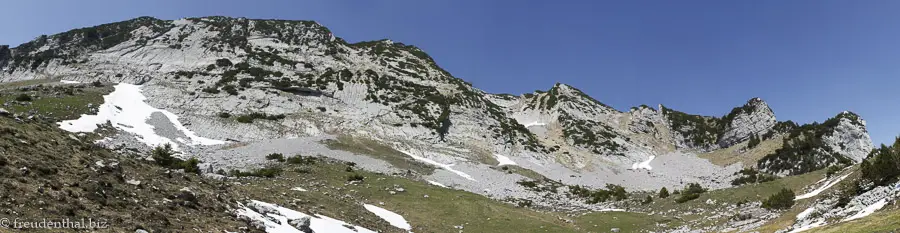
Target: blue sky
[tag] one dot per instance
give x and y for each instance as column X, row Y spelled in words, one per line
column 808, row 59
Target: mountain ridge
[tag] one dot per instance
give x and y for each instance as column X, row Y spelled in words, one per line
column 401, row 80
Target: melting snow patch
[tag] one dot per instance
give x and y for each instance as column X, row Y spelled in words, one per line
column 69, row 81
column 821, row 189
column 643, row 165
column 868, row 210
column 536, row 123
column 611, row 210
column 806, row 212
column 807, row 227
column 299, row 189
column 441, row 165
column 435, row 183
column 393, row 218
column 504, row 160
column 126, row 110
column 277, row 219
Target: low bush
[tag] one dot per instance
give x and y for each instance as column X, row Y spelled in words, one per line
column 163, row 156
column 355, row 177
column 784, row 199
column 275, row 156
column 23, row 97
column 691, row 192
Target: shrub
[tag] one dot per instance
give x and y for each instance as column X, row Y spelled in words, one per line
column 647, row 200
column 162, row 155
column 230, row 89
column 750, row 176
column 249, row 118
column 881, row 165
column 211, row 90
column 210, row 67
column 612, row 191
column 834, row 169
column 754, row 141
column 223, row 62
column 96, row 84
column 23, row 97
column 663, row 193
column 275, row 156
column 691, row 192
column 355, row 177
column 784, row 199
column 224, row 115
column 301, row 160
column 527, row 183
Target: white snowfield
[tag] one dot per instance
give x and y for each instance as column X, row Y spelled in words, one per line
column 643, row 165
column 276, row 219
column 536, row 123
column 868, row 210
column 822, row 188
column 447, row 167
column 126, row 109
column 808, row 226
column 393, row 218
column 69, row 82
column 503, row 160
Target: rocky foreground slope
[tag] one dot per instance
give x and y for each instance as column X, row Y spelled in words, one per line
column 232, row 90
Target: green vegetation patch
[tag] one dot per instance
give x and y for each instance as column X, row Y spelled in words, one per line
column 380, row 151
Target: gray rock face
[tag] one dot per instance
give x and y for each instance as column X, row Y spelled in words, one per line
column 301, row 224
column 4, row 56
column 754, row 118
column 850, row 138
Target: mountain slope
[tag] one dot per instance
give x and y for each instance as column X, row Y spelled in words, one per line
column 291, row 87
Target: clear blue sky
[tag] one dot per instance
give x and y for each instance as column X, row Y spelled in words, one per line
column 808, row 59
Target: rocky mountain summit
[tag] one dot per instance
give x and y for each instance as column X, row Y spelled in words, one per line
column 318, row 84
column 753, row 119
column 235, row 92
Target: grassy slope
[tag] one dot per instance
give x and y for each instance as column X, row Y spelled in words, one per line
column 731, row 155
column 440, row 211
column 882, row 221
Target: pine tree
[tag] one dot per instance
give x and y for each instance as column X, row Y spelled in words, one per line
column 663, row 193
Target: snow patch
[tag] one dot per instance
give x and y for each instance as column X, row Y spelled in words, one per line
column 643, row 165
column 536, row 123
column 69, row 81
column 504, row 160
column 298, row 189
column 126, row 110
column 806, row 212
column 807, row 227
column 821, row 189
column 435, row 183
column 276, row 219
column 868, row 210
column 611, row 210
column 393, row 218
column 441, row 165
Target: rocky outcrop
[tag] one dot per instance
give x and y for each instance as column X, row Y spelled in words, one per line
column 754, row 118
column 849, row 137
column 842, row 139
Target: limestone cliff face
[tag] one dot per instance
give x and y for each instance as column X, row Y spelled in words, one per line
column 850, row 138
column 754, row 118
